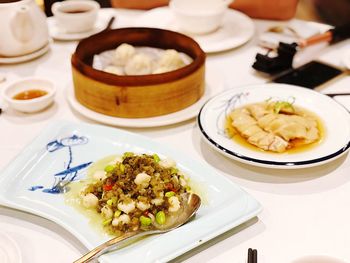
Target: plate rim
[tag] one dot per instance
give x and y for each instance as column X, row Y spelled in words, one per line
column 157, row 121
column 268, row 163
column 14, row 245
column 51, row 21
column 27, row 57
column 251, row 207
column 211, row 49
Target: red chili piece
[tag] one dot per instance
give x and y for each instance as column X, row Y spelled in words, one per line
column 107, row 187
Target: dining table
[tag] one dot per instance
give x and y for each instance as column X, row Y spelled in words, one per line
column 305, row 211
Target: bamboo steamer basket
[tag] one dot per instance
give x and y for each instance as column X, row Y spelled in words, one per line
column 137, row 96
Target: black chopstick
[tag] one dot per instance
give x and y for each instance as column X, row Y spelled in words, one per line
column 109, row 24
column 336, row 94
column 252, row 256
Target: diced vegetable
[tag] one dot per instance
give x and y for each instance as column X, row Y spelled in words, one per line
column 109, row 168
column 160, row 217
column 174, row 170
column 169, row 194
column 128, row 154
column 156, row 158
column 145, row 221
column 107, row 222
column 117, row 213
column 112, row 201
column 107, row 187
column 122, row 168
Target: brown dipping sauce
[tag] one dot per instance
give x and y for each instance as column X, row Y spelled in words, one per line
column 30, row 94
column 76, row 11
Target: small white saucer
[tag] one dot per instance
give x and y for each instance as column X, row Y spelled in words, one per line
column 9, row 250
column 27, row 57
column 237, row 29
column 60, row 34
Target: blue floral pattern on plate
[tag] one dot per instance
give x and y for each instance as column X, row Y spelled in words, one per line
column 69, row 174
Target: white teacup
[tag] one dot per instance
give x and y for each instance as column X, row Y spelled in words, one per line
column 75, row 16
column 199, row 16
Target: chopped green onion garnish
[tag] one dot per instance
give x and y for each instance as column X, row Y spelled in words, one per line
column 279, row 105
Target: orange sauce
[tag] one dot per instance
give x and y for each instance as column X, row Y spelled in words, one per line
column 30, row 94
column 297, row 144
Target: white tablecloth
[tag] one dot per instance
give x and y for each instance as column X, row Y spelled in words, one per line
column 305, row 211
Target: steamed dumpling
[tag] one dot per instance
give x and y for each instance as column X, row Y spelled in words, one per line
column 171, row 60
column 160, row 70
column 123, row 54
column 113, row 70
column 140, row 64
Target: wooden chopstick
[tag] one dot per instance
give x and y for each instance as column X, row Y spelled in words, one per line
column 252, row 256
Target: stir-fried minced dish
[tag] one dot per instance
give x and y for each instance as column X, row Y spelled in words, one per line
column 136, row 191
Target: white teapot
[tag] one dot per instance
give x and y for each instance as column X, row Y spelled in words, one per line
column 23, row 27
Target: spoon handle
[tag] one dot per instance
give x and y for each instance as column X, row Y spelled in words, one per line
column 103, row 248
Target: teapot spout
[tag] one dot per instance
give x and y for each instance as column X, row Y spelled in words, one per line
column 22, row 25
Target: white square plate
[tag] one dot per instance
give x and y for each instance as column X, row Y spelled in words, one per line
column 68, row 145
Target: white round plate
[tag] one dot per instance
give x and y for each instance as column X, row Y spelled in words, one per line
column 9, row 251
column 27, row 57
column 60, row 34
column 237, row 29
column 335, row 118
column 213, row 86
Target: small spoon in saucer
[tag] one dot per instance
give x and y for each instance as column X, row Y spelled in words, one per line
column 189, row 206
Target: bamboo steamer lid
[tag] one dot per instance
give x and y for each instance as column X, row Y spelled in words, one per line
column 138, row 96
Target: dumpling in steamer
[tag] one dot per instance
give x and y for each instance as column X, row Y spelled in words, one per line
column 140, row 64
column 123, row 54
column 170, row 60
column 113, row 70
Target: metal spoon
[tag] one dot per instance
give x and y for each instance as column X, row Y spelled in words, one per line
column 189, row 206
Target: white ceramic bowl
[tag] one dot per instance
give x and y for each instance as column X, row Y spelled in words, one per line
column 199, row 16
column 76, row 16
column 29, row 105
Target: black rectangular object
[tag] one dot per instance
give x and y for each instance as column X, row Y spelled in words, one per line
column 309, row 75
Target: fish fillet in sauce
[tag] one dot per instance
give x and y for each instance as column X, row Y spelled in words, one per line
column 269, row 130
